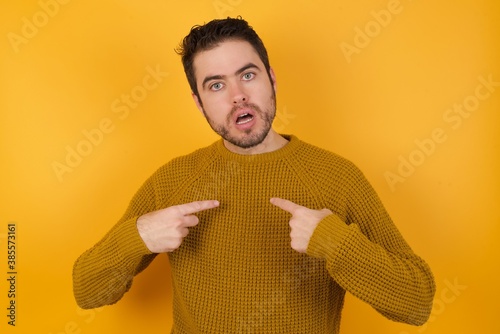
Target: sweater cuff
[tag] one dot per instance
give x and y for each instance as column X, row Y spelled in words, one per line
column 130, row 243
column 327, row 237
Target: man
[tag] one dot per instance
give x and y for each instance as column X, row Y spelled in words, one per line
column 264, row 233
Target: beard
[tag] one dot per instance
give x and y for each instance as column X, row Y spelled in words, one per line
column 252, row 137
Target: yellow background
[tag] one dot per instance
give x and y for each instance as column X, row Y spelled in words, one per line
column 61, row 79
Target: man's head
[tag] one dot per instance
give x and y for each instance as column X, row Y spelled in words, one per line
column 205, row 37
column 232, row 83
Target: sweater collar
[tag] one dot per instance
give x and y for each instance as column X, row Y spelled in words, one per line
column 292, row 145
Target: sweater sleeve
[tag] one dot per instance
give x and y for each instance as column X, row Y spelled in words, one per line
column 104, row 273
column 367, row 256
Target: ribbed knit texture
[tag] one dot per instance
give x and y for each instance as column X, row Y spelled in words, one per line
column 236, row 272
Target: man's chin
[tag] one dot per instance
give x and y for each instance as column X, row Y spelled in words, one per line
column 244, row 144
column 248, row 140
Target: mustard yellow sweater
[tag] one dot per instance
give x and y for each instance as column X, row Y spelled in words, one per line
column 236, row 272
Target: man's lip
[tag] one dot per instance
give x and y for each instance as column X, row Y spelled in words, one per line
column 242, row 112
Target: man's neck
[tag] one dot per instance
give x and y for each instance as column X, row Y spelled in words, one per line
column 272, row 142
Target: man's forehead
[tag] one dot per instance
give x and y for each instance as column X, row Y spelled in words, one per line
column 226, row 58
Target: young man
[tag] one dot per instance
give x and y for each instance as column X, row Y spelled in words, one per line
column 265, row 233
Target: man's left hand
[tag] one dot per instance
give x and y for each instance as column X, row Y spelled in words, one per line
column 303, row 222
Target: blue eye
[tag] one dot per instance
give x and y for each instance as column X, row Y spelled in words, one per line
column 216, row 86
column 248, row 76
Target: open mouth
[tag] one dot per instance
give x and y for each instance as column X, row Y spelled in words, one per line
column 244, row 118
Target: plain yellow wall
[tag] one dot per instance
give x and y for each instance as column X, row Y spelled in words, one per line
column 408, row 90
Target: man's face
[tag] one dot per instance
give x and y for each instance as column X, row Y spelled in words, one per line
column 235, row 93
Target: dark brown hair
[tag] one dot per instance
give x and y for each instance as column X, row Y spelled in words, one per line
column 208, row 36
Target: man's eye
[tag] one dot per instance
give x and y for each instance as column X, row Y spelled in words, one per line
column 248, row 76
column 216, row 86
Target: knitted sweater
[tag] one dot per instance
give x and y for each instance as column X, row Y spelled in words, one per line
column 236, row 272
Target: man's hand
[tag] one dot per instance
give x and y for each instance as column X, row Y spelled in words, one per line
column 303, row 222
column 163, row 230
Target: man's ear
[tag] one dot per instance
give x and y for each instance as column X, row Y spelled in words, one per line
column 197, row 102
column 273, row 79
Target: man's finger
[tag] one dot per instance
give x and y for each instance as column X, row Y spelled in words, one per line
column 190, row 221
column 193, row 207
column 285, row 204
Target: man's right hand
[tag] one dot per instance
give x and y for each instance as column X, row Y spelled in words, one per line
column 163, row 230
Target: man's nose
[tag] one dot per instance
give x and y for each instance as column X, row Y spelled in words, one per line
column 238, row 94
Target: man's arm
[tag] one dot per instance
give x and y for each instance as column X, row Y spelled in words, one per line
column 104, row 273
column 366, row 255
column 396, row 282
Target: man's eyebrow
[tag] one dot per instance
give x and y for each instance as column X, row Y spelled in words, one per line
column 238, row 72
column 246, row 67
column 210, row 78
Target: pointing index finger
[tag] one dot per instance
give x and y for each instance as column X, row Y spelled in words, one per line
column 285, row 204
column 197, row 206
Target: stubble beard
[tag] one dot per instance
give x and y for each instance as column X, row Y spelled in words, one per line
column 252, row 138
